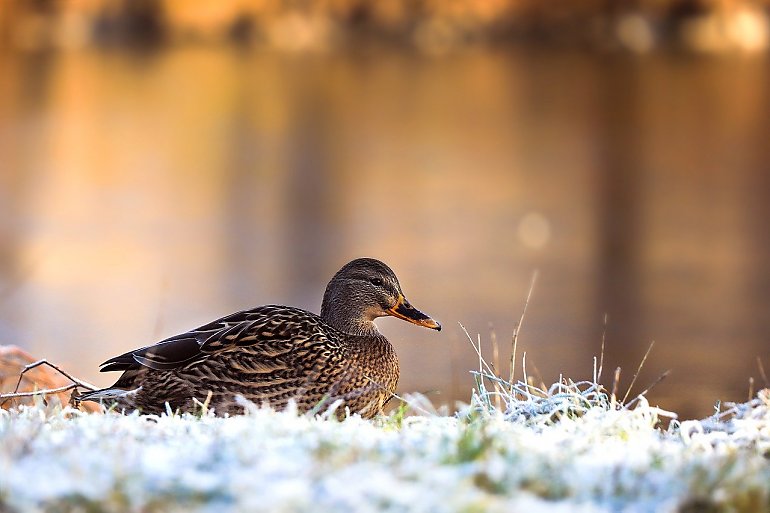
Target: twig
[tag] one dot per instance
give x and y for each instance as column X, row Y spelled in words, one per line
column 76, row 382
column 38, row 363
column 38, row 392
column 638, row 370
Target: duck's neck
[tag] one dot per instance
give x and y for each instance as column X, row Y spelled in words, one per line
column 338, row 311
column 352, row 325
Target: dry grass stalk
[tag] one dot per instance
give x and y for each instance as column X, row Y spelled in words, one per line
column 762, row 372
column 517, row 328
column 638, row 370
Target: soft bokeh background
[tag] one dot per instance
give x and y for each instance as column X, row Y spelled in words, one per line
column 163, row 163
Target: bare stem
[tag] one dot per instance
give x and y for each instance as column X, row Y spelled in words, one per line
column 517, row 328
column 762, row 372
column 496, row 365
column 482, row 362
column 638, row 370
column 615, row 382
column 39, row 392
column 601, row 356
column 652, row 385
column 75, row 382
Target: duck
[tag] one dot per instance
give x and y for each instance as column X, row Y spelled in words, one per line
column 274, row 355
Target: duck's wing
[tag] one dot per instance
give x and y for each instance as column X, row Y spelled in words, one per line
column 272, row 327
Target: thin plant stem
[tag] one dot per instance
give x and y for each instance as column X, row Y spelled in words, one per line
column 762, row 372
column 601, row 355
column 517, row 328
column 638, row 370
column 650, row 387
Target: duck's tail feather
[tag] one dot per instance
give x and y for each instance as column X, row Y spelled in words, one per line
column 109, row 395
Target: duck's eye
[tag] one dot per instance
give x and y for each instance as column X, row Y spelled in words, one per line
column 377, row 282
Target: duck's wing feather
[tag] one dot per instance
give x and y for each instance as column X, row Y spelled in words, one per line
column 266, row 324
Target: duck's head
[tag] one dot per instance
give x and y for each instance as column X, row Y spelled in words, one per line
column 363, row 290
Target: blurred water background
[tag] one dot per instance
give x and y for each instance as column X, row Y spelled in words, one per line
column 165, row 163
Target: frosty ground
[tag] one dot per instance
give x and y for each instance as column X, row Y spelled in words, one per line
column 569, row 449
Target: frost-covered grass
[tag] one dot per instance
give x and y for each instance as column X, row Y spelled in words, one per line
column 575, row 451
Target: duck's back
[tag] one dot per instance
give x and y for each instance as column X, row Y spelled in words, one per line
column 269, row 355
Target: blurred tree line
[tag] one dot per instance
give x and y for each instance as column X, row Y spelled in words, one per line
column 429, row 26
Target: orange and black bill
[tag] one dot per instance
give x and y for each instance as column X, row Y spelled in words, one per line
column 404, row 310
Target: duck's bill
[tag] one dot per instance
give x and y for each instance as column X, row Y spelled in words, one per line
column 404, row 310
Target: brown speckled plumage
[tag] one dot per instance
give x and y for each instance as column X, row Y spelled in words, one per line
column 273, row 354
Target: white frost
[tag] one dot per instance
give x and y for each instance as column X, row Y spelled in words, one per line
column 599, row 458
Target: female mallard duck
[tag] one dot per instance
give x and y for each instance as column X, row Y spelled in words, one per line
column 273, row 354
